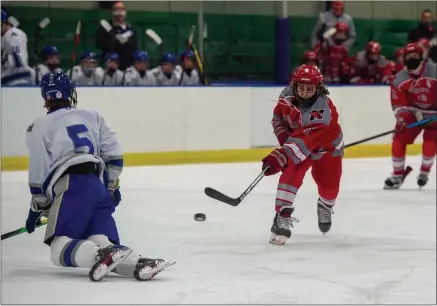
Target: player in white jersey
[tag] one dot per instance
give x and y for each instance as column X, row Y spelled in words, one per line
column 187, row 71
column 86, row 73
column 139, row 73
column 112, row 75
column 166, row 74
column 74, row 166
column 15, row 68
column 50, row 55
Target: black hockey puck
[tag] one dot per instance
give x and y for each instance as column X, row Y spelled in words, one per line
column 199, row 217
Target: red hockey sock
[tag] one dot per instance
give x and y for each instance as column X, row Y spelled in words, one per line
column 429, row 149
column 398, row 151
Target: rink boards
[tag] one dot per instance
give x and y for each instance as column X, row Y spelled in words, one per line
column 175, row 125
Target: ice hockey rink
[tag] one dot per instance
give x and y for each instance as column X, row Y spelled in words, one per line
column 381, row 249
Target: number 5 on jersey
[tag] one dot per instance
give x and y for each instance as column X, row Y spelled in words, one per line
column 81, row 144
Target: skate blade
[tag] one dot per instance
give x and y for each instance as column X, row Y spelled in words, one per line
column 102, row 270
column 391, row 188
column 145, row 276
column 278, row 240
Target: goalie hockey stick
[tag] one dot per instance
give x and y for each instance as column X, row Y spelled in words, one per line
column 21, row 230
column 219, row 196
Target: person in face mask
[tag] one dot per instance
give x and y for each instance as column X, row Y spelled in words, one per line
column 50, row 56
column 413, row 98
column 424, row 30
column 112, row 75
column 369, row 65
column 86, row 73
column 139, row 74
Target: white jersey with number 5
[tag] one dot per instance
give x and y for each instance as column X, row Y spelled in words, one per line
column 68, row 137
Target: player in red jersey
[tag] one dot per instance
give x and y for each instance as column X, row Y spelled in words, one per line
column 369, row 65
column 305, row 122
column 334, row 54
column 413, row 98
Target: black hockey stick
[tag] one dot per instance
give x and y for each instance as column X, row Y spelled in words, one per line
column 21, row 230
column 217, row 195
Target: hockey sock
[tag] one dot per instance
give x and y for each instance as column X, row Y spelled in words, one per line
column 428, row 153
column 399, row 150
column 67, row 252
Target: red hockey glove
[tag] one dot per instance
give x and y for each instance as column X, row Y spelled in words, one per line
column 276, row 161
column 400, row 124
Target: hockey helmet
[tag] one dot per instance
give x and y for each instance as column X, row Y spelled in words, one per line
column 342, row 26
column 168, row 58
column 373, row 47
column 141, row 55
column 413, row 56
column 188, row 54
column 4, row 17
column 302, row 77
column 48, row 51
column 113, row 57
column 57, row 86
column 88, row 55
column 399, row 52
column 310, row 55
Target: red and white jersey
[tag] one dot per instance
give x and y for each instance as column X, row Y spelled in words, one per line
column 310, row 130
column 415, row 93
column 363, row 72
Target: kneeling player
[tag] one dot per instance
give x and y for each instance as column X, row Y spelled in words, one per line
column 305, row 121
column 75, row 162
column 413, row 98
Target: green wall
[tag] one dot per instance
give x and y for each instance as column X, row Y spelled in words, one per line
column 238, row 46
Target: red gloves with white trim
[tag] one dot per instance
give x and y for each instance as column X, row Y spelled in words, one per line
column 275, row 161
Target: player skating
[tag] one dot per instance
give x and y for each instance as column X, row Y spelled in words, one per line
column 305, row 122
column 413, row 98
column 75, row 163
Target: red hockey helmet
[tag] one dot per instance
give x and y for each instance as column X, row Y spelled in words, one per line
column 342, row 26
column 310, row 55
column 307, row 75
column 413, row 56
column 399, row 52
column 373, row 47
column 413, row 48
column 424, row 43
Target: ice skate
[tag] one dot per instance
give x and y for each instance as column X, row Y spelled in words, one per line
column 394, row 182
column 324, row 213
column 280, row 230
column 422, row 179
column 147, row 268
column 108, row 259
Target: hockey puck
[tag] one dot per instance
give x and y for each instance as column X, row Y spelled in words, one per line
column 199, row 217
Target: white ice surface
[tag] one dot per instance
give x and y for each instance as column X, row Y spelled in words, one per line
column 381, row 249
